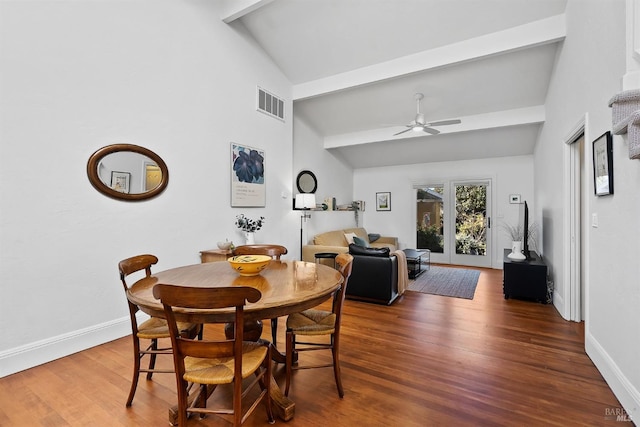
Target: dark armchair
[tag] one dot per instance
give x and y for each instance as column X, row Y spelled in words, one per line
column 374, row 275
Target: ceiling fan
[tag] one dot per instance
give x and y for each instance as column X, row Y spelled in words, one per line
column 419, row 125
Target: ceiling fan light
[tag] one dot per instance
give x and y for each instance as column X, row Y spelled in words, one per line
column 417, row 128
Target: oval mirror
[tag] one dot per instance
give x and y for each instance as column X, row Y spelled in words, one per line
column 306, row 182
column 127, row 172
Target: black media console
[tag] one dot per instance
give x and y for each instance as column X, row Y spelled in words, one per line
column 525, row 279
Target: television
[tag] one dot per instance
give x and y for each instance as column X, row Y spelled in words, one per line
column 524, row 226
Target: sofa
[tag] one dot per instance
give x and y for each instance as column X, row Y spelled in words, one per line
column 336, row 242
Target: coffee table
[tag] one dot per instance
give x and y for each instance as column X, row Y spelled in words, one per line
column 414, row 261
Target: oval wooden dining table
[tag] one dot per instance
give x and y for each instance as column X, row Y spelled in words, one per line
column 286, row 286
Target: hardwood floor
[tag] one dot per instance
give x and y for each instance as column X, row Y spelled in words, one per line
column 424, row 361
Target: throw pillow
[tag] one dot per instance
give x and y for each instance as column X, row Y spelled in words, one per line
column 373, row 237
column 360, row 242
column 359, row 250
column 349, row 237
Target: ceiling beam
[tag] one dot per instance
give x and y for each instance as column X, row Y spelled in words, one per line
column 235, row 9
column 544, row 31
column 498, row 119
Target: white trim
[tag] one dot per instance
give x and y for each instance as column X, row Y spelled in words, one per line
column 570, row 309
column 236, row 9
column 37, row 353
column 493, row 120
column 621, row 386
column 538, row 33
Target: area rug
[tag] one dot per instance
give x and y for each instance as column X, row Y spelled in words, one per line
column 447, row 281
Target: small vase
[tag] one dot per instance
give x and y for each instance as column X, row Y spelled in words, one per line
column 250, row 238
column 516, row 251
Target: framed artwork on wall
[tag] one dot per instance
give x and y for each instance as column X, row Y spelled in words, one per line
column 383, row 201
column 247, row 176
column 603, row 165
column 121, row 182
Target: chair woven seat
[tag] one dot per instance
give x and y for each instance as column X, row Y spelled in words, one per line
column 312, row 322
column 155, row 328
column 220, row 370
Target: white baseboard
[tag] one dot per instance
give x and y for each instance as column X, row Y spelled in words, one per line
column 625, row 392
column 37, row 353
column 558, row 303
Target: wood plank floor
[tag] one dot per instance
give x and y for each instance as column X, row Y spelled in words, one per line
column 424, row 361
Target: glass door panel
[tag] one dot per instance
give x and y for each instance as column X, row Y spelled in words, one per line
column 470, row 239
column 430, row 216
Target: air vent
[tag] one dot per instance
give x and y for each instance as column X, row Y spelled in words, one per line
column 270, row 104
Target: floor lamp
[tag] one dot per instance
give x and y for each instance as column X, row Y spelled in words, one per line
column 304, row 201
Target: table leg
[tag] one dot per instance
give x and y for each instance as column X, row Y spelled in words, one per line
column 173, row 411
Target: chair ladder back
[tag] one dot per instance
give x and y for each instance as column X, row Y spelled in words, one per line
column 136, row 263
column 274, row 251
column 174, row 297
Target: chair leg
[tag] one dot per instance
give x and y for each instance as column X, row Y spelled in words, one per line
column 136, row 370
column 274, row 330
column 183, row 403
column 336, row 368
column 290, row 338
column 152, row 359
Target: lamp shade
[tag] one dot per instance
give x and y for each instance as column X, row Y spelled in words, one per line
column 305, row 201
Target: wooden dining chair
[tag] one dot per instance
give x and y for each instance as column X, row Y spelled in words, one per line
column 314, row 322
column 210, row 363
column 151, row 330
column 274, row 251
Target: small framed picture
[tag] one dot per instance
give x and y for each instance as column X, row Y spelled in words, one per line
column 603, row 165
column 514, row 198
column 121, row 181
column 383, row 201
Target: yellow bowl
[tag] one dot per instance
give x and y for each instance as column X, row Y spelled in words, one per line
column 249, row 265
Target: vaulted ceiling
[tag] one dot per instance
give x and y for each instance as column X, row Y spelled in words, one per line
column 357, row 64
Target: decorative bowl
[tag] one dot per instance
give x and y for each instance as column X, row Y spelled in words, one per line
column 249, row 265
column 225, row 245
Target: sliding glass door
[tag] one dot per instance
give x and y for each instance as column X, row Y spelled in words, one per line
column 453, row 221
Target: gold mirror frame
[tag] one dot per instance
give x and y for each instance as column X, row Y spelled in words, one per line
column 94, row 178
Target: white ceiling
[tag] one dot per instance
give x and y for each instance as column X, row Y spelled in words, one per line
column 356, row 65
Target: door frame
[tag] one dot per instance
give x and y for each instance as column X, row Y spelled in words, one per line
column 569, row 301
column 447, row 184
column 459, row 259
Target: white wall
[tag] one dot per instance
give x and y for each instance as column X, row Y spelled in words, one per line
column 510, row 175
column 76, row 76
column 335, row 179
column 588, row 73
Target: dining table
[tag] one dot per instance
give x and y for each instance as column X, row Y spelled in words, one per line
column 287, row 286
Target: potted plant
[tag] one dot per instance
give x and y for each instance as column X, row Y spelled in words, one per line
column 249, row 226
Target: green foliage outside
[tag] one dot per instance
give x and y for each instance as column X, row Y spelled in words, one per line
column 430, row 238
column 471, row 233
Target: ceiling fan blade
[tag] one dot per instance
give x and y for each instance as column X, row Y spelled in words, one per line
column 403, row 131
column 445, row 122
column 430, row 130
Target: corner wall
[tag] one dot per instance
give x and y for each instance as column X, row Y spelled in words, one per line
column 77, row 76
column 588, row 73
